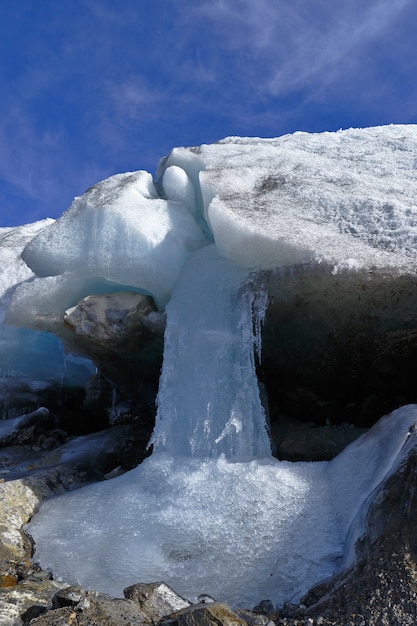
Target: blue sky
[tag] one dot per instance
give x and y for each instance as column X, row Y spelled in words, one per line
column 91, row 88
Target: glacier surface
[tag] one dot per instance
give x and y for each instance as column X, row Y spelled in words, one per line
column 211, row 511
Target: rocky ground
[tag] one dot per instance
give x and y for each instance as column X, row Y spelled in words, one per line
column 38, row 461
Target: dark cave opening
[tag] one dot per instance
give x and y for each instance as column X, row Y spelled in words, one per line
column 338, row 353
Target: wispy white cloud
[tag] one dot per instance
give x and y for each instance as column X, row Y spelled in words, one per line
column 38, row 169
column 299, row 45
column 331, row 53
column 133, row 99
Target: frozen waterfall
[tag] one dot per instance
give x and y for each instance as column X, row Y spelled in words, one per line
column 211, row 511
column 209, row 401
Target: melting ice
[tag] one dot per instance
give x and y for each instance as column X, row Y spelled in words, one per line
column 211, row 511
column 208, row 381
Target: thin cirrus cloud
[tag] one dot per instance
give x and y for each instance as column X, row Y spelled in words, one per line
column 332, row 54
column 302, row 45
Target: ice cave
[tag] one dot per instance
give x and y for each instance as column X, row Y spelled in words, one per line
column 253, row 284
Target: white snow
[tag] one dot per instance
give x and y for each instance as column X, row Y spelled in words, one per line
column 198, row 513
column 312, row 197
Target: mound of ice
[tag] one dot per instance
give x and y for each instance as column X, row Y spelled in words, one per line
column 122, row 232
column 237, row 531
column 346, row 198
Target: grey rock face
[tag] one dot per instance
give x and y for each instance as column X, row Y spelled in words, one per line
column 97, row 610
column 9, row 614
column 29, row 598
column 156, row 599
column 69, row 596
column 19, row 501
column 212, row 614
column 339, row 347
column 305, row 441
column 117, row 321
column 122, row 333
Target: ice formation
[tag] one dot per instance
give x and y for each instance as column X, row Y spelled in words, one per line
column 211, row 511
column 208, row 314
column 138, row 239
column 239, row 531
column 29, row 358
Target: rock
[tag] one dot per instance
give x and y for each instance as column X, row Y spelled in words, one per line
column 117, row 471
column 338, row 349
column 19, row 501
column 7, row 581
column 25, row 428
column 212, row 614
column 382, row 587
column 9, row 614
column 89, row 457
column 265, row 607
column 252, row 618
column 69, row 596
column 17, row 395
column 60, row 617
column 156, row 600
column 95, row 610
column 295, row 440
column 29, row 598
column 36, row 574
column 119, row 321
column 122, row 333
column 204, row 598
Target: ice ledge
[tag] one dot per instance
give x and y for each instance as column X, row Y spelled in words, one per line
column 346, row 199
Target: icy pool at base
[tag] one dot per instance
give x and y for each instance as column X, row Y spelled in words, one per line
column 241, row 532
column 203, row 527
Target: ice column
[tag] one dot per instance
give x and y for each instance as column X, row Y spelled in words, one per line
column 209, row 402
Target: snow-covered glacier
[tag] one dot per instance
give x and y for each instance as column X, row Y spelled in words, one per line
column 225, row 233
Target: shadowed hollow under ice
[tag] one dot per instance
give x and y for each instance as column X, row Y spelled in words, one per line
column 211, row 511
